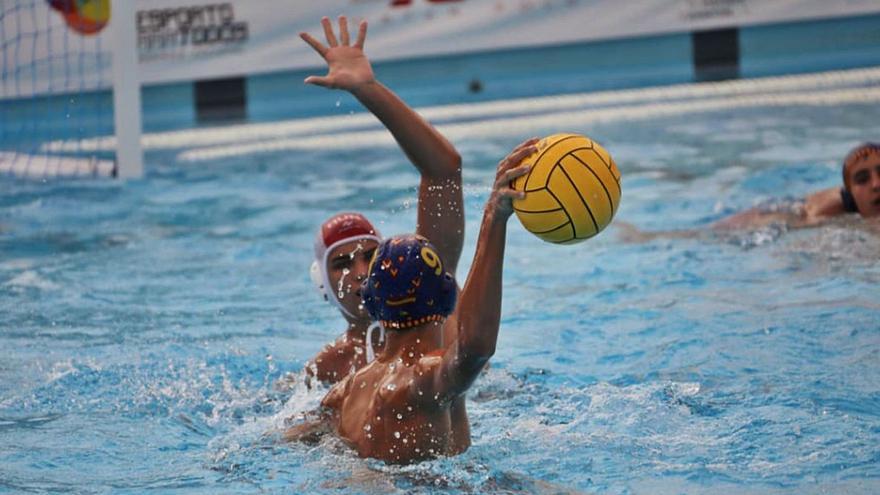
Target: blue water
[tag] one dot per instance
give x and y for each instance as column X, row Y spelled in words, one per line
column 154, row 331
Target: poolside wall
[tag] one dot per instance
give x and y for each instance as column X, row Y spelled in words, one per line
column 762, row 50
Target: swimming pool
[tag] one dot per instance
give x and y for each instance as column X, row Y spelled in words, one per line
column 154, row 331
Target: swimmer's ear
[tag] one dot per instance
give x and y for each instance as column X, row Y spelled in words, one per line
column 315, row 275
column 849, row 202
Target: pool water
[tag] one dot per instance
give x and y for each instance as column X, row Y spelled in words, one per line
column 154, row 331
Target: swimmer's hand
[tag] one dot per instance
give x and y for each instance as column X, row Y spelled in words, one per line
column 348, row 67
column 309, row 433
column 631, row 234
column 501, row 200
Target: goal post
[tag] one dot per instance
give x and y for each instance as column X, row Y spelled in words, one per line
column 126, row 90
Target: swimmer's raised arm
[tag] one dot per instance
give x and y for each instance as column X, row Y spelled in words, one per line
column 441, row 212
column 479, row 304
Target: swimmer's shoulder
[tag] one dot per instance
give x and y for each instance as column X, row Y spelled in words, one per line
column 336, row 396
column 342, row 346
column 822, row 205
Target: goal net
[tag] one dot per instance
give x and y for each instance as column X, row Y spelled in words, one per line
column 58, row 85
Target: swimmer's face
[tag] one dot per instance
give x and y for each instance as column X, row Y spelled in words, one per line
column 347, row 267
column 864, row 184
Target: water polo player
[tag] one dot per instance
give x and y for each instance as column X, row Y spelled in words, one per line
column 346, row 241
column 860, row 194
column 400, row 408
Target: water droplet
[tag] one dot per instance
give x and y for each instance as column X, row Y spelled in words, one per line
column 338, row 102
column 367, row 427
column 399, row 416
column 391, row 386
column 396, row 434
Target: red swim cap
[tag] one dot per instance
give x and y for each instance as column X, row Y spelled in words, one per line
column 340, row 227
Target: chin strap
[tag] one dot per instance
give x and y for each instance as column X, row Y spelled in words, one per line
column 371, row 355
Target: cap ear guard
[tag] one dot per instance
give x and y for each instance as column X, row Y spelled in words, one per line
column 449, row 293
column 407, row 286
column 318, row 279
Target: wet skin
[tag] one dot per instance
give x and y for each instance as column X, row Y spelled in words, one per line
column 440, row 218
column 347, row 267
column 348, row 263
column 382, row 416
column 404, row 407
column 440, row 206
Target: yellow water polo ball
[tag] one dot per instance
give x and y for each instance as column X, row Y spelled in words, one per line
column 572, row 190
column 88, row 16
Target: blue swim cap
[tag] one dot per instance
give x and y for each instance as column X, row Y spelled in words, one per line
column 407, row 285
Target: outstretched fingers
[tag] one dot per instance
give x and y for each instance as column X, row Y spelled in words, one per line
column 343, row 30
column 328, row 32
column 362, row 35
column 317, row 45
column 319, row 81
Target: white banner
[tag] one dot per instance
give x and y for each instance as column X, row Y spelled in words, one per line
column 181, row 40
column 256, row 36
